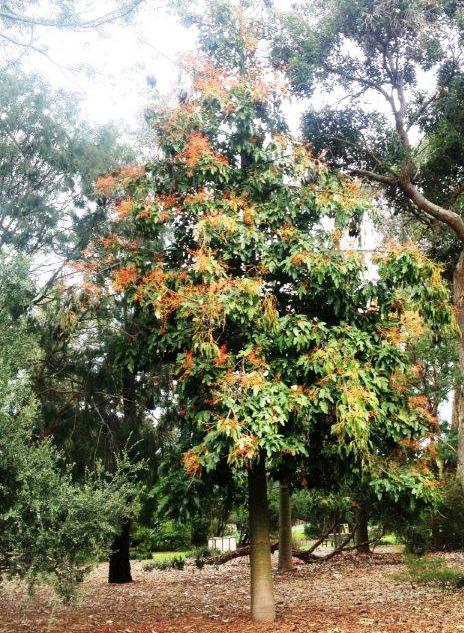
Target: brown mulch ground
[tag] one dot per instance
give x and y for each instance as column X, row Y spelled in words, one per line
column 352, row 594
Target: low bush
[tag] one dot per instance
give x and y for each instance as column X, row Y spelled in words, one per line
column 431, row 571
column 176, row 562
column 199, row 556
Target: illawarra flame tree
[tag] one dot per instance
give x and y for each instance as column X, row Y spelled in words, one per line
column 270, row 327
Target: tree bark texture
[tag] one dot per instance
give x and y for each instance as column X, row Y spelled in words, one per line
column 262, row 594
column 362, row 533
column 285, row 528
column 120, row 568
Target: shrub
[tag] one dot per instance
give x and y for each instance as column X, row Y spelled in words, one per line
column 310, row 531
column 417, row 538
column 431, row 571
column 176, row 562
column 140, row 554
column 200, row 554
column 165, row 536
column 199, row 531
column 447, row 532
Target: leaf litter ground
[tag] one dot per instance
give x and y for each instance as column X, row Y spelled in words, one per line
column 351, row 594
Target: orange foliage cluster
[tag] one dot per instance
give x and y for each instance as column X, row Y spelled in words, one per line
column 222, row 357
column 155, row 277
column 84, row 267
column 203, row 262
column 131, row 172
column 130, row 245
column 145, row 214
column 106, row 185
column 219, row 222
column 260, row 91
column 432, row 449
column 124, row 207
column 124, row 277
column 228, row 425
column 412, row 323
column 418, row 402
column 398, row 382
column 198, row 148
column 91, row 290
column 246, row 447
column 235, row 201
column 393, row 335
column 200, row 197
column 410, row 444
column 167, row 201
column 394, row 249
column 356, row 392
column 187, row 365
column 247, row 381
column 110, row 242
column 211, row 82
column 421, row 403
column 255, row 359
column 300, row 257
column 191, row 462
column 249, row 215
column 287, row 232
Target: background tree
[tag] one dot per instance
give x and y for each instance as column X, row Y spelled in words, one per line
column 407, row 138
column 49, row 160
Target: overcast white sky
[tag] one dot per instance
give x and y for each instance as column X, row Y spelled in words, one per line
column 108, row 70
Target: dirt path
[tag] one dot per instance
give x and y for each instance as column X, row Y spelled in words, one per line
column 349, row 595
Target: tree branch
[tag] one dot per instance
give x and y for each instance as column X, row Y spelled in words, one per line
column 77, row 24
column 452, row 219
column 371, row 175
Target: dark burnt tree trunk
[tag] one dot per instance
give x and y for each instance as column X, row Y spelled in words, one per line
column 120, row 569
column 119, row 564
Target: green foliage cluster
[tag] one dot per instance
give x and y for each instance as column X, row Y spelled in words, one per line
column 439, row 530
column 164, row 536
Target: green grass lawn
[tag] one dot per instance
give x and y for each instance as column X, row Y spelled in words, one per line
column 161, row 556
column 298, row 533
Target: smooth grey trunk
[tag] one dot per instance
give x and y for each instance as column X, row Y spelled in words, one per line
column 362, row 531
column 458, row 406
column 285, row 527
column 262, row 594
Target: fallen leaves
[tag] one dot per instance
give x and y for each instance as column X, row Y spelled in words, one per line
column 352, row 594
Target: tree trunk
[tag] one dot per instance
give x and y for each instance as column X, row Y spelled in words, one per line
column 362, row 533
column 120, row 569
column 285, row 528
column 458, row 408
column 262, row 595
